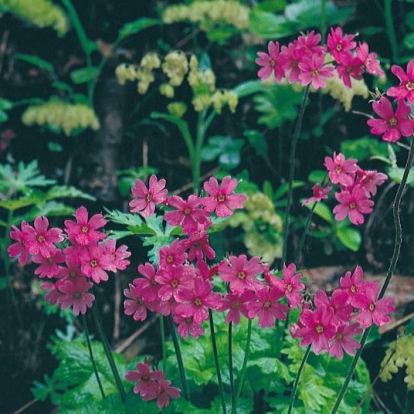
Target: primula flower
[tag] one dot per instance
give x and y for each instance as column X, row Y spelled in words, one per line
column 19, row 249
column 290, row 284
column 353, row 204
column 314, row 71
column 172, row 255
column 187, row 213
column 393, row 124
column 188, row 326
column 338, row 44
column 292, row 55
column 349, row 67
column 75, row 293
column 353, row 283
column 84, row 232
column 146, row 380
column 240, row 273
column 267, row 306
column 115, row 257
column 53, row 293
column 146, row 198
column 149, row 286
column 198, row 245
column 271, row 62
column 369, row 60
column 135, row 304
column 49, row 267
column 40, row 240
column 309, row 44
column 237, row 303
column 94, row 262
column 319, row 194
column 220, row 199
column 344, row 341
column 172, row 281
column 164, row 393
column 370, row 180
column 338, row 302
column 340, row 170
column 372, row 310
column 406, row 88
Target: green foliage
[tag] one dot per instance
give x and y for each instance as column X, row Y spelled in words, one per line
column 225, row 148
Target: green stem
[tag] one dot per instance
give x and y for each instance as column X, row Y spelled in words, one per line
column 88, row 341
column 323, row 19
column 216, row 361
column 163, row 342
column 108, row 352
column 389, row 24
column 295, row 138
column 179, row 357
column 230, row 352
column 243, row 371
column 295, row 385
column 394, row 259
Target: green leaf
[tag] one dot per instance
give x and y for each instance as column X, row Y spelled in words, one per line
column 5, row 104
column 63, row 191
column 248, row 88
column 227, row 150
column 316, row 176
column 4, row 281
column 323, row 211
column 284, row 188
column 62, row 86
column 349, row 237
column 409, row 41
column 258, row 141
column 397, row 173
column 3, row 116
column 271, row 5
column 362, row 148
column 37, row 61
column 270, row 26
column 136, row 26
column 84, row 75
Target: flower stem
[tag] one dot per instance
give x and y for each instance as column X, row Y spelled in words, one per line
column 295, row 138
column 179, row 357
column 216, row 361
column 389, row 24
column 395, row 255
column 230, row 352
column 163, row 344
column 88, row 341
column 108, row 352
column 295, row 385
column 243, row 371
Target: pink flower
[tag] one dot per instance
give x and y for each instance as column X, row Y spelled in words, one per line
column 94, row 262
column 319, row 194
column 187, row 213
column 237, row 303
column 344, row 341
column 172, row 281
column 197, row 301
column 353, row 203
column 392, row 125
column 271, row 62
column 314, row 71
column 339, row 44
column 146, row 198
column 198, row 245
column 84, row 232
column 240, row 273
column 290, row 285
column 115, row 257
column 341, row 170
column 146, row 380
column 406, row 88
column 75, row 293
column 164, row 392
column 292, row 56
column 369, row 60
column 53, row 293
column 221, row 198
column 371, row 309
column 370, row 180
column 309, row 44
column 338, row 302
column 349, row 67
column 135, row 305
column 39, row 239
column 267, row 307
column 353, row 283
column 188, row 326
column 49, row 267
column 149, row 286
column 172, row 255
column 19, row 249
column 318, row 329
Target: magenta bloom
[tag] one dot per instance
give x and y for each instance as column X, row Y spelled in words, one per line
column 338, row 302
column 188, row 326
column 292, row 55
column 267, row 306
column 94, row 262
column 406, row 88
column 172, row 255
column 237, row 303
column 19, row 249
column 290, row 285
column 187, row 213
column 371, row 309
column 115, row 257
column 148, row 285
column 39, row 239
column 319, row 194
column 221, row 198
column 146, row 380
column 309, row 44
column 370, row 60
column 353, row 204
column 146, row 198
column 353, row 283
column 314, row 71
column 53, row 293
column 75, row 293
column 198, row 245
column 344, row 341
column 172, row 281
column 164, row 393
column 340, row 170
column 392, row 125
column 349, row 67
column 240, row 273
column 197, row 301
column 370, row 180
column 338, row 44
column 83, row 231
column 271, row 62
column 318, row 329
column 49, row 267
column 135, row 304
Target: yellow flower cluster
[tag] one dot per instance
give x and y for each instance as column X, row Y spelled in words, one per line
column 224, row 97
column 399, row 353
column 69, row 117
column 177, row 108
column 209, row 14
column 175, row 66
column 41, row 13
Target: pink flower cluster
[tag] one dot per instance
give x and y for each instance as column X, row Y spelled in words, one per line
column 332, row 323
column 305, row 61
column 152, row 385
column 356, row 187
column 394, row 124
column 85, row 255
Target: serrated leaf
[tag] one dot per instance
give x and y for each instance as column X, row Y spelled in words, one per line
column 84, row 75
column 350, row 238
column 36, row 60
column 136, row 26
column 63, row 191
